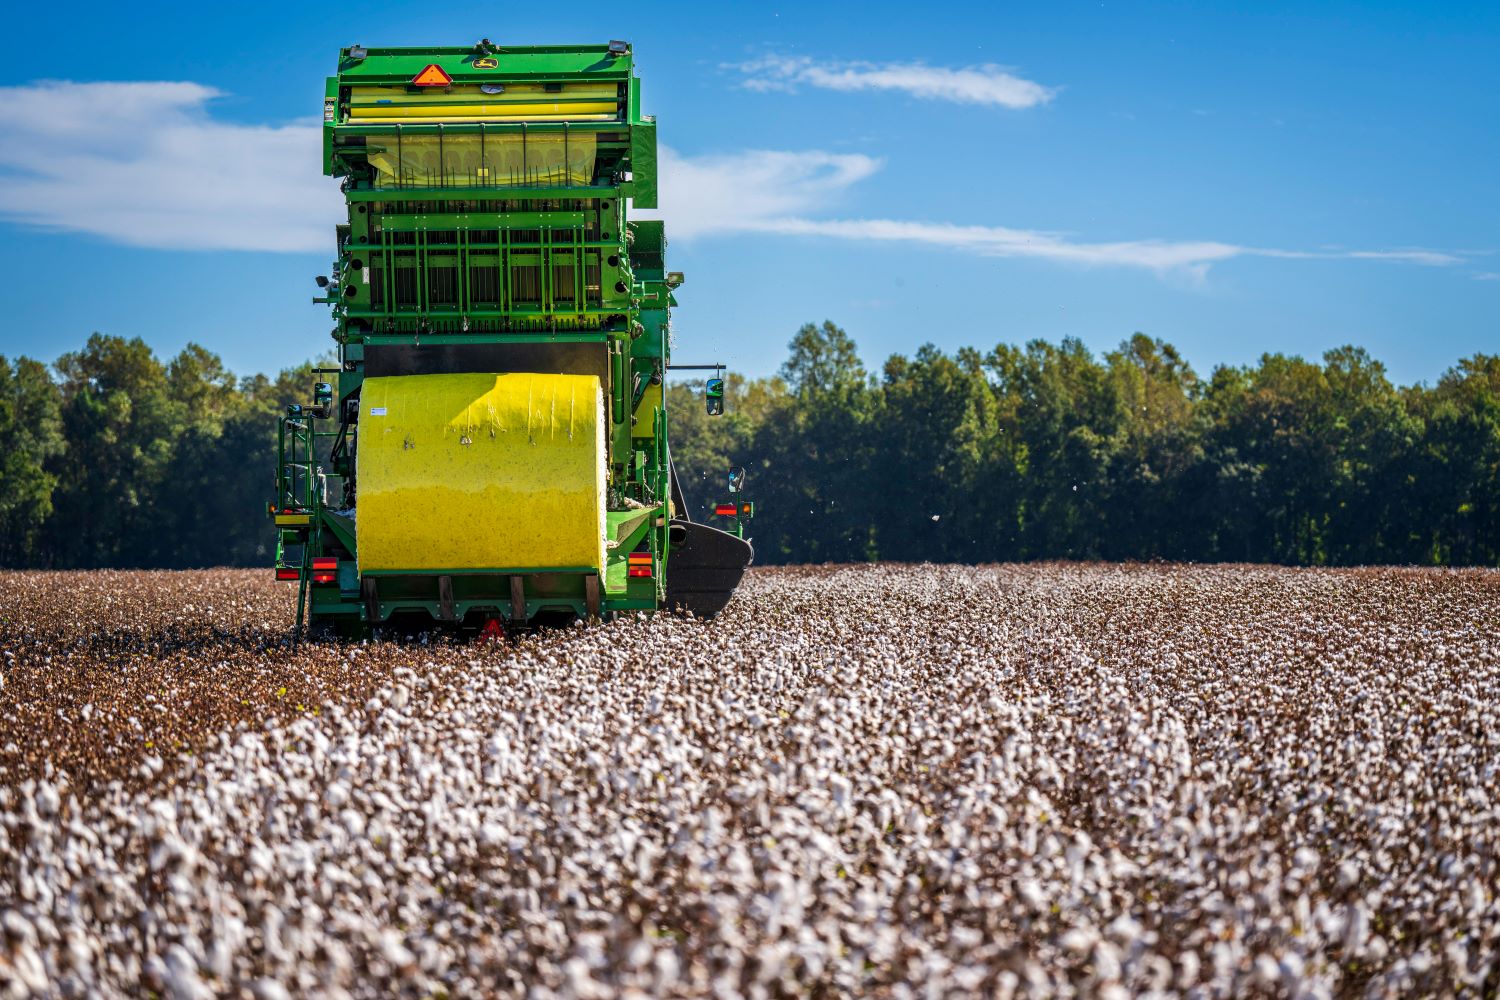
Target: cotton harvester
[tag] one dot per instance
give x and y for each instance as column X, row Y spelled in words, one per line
column 492, row 448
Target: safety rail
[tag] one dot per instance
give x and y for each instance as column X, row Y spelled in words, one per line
column 297, row 472
column 301, row 494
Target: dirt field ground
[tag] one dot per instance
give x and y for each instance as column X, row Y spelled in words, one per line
column 897, row 781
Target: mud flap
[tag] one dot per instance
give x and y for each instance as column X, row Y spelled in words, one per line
column 704, row 567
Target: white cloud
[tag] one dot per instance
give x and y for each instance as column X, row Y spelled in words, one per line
column 1414, row 255
column 987, row 84
column 999, row 241
column 791, row 194
column 146, row 164
column 735, row 193
column 1435, row 258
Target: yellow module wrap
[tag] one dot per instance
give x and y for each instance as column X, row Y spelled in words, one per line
column 481, row 472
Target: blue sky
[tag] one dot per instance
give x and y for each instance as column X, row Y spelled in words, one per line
column 1232, row 178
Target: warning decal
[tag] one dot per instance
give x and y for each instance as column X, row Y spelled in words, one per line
column 433, row 76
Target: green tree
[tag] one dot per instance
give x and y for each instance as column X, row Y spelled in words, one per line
column 813, row 457
column 30, row 438
column 1061, row 415
column 822, row 359
column 1156, row 455
column 705, row 447
column 937, row 444
column 207, row 392
column 121, row 424
column 1373, row 438
column 1275, row 428
column 222, row 481
column 1454, row 483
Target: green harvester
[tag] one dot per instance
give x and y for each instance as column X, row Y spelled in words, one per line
column 491, row 450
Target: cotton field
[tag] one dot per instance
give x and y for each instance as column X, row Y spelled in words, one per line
column 896, row 781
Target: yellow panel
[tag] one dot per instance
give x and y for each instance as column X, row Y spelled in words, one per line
column 481, row 472
column 484, row 111
column 523, row 91
column 645, row 413
column 477, row 119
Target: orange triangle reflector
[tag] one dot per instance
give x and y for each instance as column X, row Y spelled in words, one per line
column 433, row 76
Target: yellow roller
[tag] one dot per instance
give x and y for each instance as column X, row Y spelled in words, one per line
column 512, row 91
column 481, row 472
column 475, row 119
column 484, row 110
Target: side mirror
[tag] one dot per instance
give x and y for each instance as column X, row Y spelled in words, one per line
column 322, row 280
column 713, row 396
column 737, row 479
column 322, row 399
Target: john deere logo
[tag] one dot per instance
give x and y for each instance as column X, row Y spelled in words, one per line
column 486, row 62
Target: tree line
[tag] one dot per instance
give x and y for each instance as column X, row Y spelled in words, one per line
column 112, row 457
column 1046, row 451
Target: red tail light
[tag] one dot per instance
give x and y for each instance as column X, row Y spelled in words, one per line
column 726, row 509
column 639, row 564
column 287, row 573
column 325, row 569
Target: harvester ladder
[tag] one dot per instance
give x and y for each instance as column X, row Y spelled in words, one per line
column 296, row 490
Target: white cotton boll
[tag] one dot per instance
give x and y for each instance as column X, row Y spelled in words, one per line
column 1356, row 928
column 840, row 787
column 394, row 950
column 269, row 989
column 47, row 800
column 183, row 981
column 1266, row 970
column 1079, row 940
